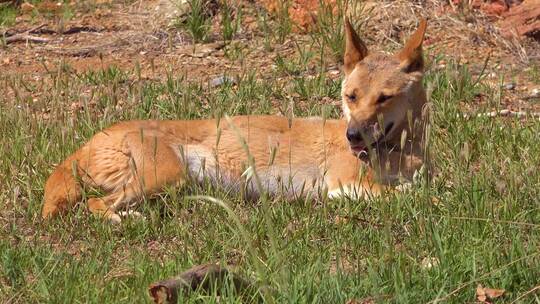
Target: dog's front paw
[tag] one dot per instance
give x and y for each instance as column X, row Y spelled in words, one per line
column 345, row 191
column 404, row 187
column 131, row 213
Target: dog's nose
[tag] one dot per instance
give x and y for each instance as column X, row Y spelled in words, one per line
column 353, row 136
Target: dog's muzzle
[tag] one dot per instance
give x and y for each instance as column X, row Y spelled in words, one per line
column 359, row 140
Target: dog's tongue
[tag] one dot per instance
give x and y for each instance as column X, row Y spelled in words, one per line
column 359, row 148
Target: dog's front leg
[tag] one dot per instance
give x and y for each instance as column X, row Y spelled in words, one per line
column 357, row 190
column 348, row 176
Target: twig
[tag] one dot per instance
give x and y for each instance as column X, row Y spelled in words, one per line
column 34, row 29
column 9, row 33
column 11, row 37
column 78, row 29
column 25, row 37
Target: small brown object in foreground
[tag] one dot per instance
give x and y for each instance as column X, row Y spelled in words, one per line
column 361, row 301
column 202, row 276
column 483, row 294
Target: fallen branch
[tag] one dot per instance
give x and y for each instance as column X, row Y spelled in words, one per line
column 12, row 36
column 25, row 37
column 11, row 32
column 204, row 277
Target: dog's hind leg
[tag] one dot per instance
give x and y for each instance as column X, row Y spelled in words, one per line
column 109, row 205
column 154, row 164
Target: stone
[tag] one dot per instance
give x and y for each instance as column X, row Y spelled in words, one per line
column 218, row 81
column 509, row 86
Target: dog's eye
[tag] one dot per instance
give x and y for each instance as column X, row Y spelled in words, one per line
column 382, row 98
column 351, row 98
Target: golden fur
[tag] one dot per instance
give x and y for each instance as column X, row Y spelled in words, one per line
column 377, row 143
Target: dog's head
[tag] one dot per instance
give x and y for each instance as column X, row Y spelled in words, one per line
column 379, row 90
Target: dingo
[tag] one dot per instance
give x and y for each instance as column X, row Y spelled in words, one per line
column 378, row 141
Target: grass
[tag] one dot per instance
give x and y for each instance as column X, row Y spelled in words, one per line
column 8, row 13
column 197, row 21
column 329, row 29
column 534, row 73
column 231, row 20
column 478, row 220
column 284, row 24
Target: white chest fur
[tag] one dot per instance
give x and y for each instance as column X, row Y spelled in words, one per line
column 277, row 179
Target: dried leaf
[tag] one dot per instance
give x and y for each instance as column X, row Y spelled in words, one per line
column 361, row 301
column 480, row 294
column 483, row 294
column 493, row 293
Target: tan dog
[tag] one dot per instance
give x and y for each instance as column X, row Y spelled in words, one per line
column 382, row 101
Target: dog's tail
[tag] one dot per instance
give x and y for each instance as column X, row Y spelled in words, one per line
column 62, row 189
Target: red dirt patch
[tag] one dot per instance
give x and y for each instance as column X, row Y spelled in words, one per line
column 523, row 20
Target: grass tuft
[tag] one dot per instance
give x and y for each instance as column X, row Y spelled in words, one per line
column 197, row 22
column 8, row 13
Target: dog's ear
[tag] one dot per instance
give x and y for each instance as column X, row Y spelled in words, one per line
column 411, row 54
column 355, row 49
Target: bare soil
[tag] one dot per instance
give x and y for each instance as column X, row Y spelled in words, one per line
column 141, row 33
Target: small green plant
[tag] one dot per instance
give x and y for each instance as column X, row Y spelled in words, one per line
column 534, row 73
column 286, row 66
column 231, row 19
column 109, row 75
column 197, row 22
column 263, row 24
column 328, row 32
column 235, row 51
column 67, row 13
column 329, row 29
column 7, row 15
column 459, row 81
column 316, row 87
column 284, row 23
